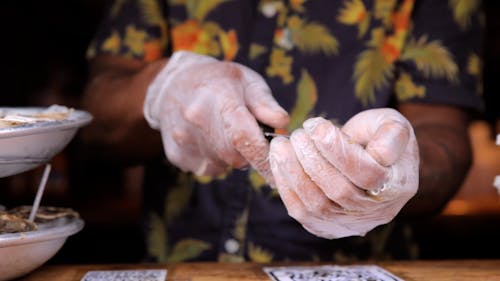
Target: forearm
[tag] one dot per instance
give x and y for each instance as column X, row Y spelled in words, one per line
column 445, row 157
column 115, row 96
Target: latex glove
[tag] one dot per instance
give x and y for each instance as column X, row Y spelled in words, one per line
column 207, row 112
column 344, row 182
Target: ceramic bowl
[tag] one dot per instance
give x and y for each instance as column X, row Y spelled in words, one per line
column 26, row 146
column 23, row 252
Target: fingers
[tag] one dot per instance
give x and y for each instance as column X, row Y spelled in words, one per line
column 212, row 108
column 182, row 146
column 321, row 172
column 302, row 199
column 384, row 132
column 184, row 152
column 260, row 101
column 388, row 143
column 331, row 181
column 232, row 130
column 245, row 136
column 348, row 157
column 239, row 119
column 289, row 175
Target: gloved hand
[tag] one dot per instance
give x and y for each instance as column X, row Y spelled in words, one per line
column 344, row 182
column 207, row 112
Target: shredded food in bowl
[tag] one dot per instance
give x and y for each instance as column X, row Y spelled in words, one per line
column 16, row 219
column 52, row 113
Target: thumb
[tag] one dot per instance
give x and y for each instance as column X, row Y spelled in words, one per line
column 260, row 101
column 384, row 132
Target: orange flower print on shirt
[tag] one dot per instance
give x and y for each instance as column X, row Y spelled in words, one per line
column 389, row 50
column 401, row 18
column 374, row 67
column 185, row 36
column 229, row 43
column 392, row 45
column 205, row 38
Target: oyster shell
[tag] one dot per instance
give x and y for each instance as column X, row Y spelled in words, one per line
column 12, row 223
column 44, row 213
column 52, row 113
column 16, row 219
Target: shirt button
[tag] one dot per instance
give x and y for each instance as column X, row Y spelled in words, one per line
column 231, row 246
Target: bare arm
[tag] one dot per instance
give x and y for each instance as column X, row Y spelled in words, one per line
column 445, row 154
column 115, row 96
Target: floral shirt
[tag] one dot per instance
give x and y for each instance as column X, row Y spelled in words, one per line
column 320, row 57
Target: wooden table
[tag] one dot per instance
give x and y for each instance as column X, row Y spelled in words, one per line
column 408, row 270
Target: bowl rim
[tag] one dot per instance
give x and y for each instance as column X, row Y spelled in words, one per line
column 76, row 119
column 63, row 227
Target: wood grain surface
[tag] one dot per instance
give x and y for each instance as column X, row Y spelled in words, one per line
column 450, row 270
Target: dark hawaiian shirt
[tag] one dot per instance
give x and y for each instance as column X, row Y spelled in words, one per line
column 320, row 57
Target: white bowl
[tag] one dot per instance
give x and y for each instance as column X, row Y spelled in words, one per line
column 21, row 253
column 27, row 146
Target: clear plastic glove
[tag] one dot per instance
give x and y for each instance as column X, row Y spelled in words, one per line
column 344, row 182
column 207, row 112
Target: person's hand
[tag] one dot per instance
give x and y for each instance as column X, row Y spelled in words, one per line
column 344, row 182
column 207, row 112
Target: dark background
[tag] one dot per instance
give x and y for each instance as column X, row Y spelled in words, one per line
column 44, row 63
column 43, row 57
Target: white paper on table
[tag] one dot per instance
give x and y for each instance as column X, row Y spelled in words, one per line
column 330, row 273
column 126, row 275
